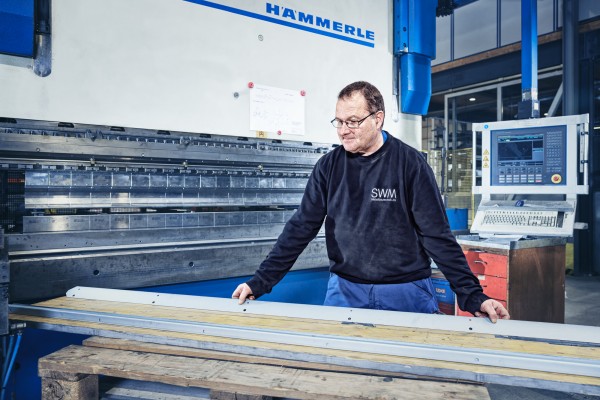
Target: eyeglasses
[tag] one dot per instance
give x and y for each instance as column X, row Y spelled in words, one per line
column 338, row 124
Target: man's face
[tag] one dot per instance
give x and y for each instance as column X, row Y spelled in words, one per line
column 366, row 139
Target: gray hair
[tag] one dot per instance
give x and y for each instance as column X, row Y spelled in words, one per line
column 371, row 94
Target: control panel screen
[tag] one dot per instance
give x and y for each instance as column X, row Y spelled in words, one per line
column 529, row 156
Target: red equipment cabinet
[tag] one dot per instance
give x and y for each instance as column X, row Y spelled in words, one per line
column 527, row 276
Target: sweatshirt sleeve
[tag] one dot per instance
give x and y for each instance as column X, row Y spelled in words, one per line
column 297, row 233
column 437, row 239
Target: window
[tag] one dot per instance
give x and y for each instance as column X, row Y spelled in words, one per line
column 475, row 28
column 588, row 9
column 510, row 19
column 442, row 39
column 545, row 16
column 510, row 22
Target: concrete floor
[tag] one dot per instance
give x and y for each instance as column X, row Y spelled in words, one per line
column 582, row 307
column 582, row 303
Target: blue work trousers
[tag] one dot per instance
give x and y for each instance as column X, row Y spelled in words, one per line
column 417, row 296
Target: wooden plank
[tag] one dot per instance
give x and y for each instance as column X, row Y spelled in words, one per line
column 133, row 345
column 258, row 380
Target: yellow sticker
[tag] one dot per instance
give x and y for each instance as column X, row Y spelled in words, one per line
column 261, row 134
column 486, row 165
column 486, row 152
column 486, row 158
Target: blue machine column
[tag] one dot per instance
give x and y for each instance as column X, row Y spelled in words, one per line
column 529, row 106
column 414, row 44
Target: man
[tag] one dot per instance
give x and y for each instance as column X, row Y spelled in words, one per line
column 384, row 220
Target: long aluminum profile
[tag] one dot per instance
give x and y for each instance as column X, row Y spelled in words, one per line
column 494, row 358
column 540, row 331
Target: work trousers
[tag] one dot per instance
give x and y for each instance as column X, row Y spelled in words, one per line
column 417, row 296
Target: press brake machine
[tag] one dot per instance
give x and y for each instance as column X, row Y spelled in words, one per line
column 125, row 208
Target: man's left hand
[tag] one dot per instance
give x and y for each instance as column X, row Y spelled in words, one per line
column 493, row 310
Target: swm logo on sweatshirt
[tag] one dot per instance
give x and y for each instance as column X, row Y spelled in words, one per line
column 378, row 194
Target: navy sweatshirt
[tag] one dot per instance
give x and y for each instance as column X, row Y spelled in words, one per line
column 384, row 220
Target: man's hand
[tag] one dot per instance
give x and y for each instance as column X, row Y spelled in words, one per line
column 242, row 292
column 493, row 310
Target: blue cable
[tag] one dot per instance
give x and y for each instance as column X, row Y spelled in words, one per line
column 12, row 360
column 11, row 345
column 13, row 356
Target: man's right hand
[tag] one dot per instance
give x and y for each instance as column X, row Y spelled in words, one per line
column 242, row 292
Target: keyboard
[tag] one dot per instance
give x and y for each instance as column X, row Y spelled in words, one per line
column 523, row 218
column 554, row 218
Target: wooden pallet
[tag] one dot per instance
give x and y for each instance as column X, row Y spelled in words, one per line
column 72, row 374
